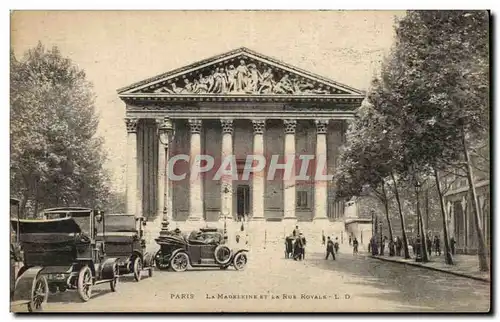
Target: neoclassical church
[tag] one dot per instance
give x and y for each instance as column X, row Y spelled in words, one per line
column 235, row 104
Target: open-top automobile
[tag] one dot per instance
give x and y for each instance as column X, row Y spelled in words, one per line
column 61, row 252
column 124, row 237
column 202, row 248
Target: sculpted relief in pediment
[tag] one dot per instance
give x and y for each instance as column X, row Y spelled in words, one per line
column 241, row 77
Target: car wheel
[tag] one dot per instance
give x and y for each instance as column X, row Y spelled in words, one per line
column 222, row 255
column 240, row 261
column 137, row 268
column 179, row 262
column 39, row 294
column 85, row 283
column 114, row 282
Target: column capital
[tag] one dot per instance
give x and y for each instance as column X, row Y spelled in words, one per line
column 227, row 126
column 131, row 124
column 195, row 126
column 259, row 126
column 290, row 125
column 321, row 126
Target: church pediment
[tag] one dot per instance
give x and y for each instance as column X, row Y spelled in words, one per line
column 238, row 73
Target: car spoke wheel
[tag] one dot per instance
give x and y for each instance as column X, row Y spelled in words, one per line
column 222, row 255
column 116, row 274
column 39, row 294
column 240, row 261
column 85, row 283
column 179, row 262
column 137, row 268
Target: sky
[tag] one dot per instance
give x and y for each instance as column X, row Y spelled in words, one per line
column 118, row 48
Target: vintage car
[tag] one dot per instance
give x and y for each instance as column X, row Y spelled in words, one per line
column 36, row 302
column 61, row 252
column 203, row 248
column 125, row 241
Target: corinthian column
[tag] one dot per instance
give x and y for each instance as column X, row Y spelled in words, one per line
column 289, row 182
column 320, row 185
column 195, row 184
column 227, row 180
column 162, row 173
column 132, row 184
column 258, row 183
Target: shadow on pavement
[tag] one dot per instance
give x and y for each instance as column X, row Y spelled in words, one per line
column 417, row 289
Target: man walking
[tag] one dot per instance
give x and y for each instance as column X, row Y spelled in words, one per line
column 429, row 244
column 336, row 245
column 437, row 245
column 354, row 246
column 452, row 245
column 303, row 240
column 329, row 249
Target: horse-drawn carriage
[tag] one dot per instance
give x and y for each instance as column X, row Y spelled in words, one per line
column 61, row 251
column 124, row 237
column 203, row 248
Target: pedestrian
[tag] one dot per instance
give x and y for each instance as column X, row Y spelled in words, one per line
column 336, row 245
column 437, row 246
column 452, row 245
column 296, row 231
column 350, row 240
column 329, row 249
column 374, row 246
column 288, row 246
column 392, row 251
column 382, row 246
column 298, row 249
column 323, row 238
column 429, row 244
column 399, row 246
column 354, row 246
column 303, row 240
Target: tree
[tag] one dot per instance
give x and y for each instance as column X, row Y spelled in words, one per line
column 367, row 160
column 436, row 85
column 56, row 157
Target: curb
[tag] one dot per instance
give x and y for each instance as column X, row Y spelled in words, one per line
column 482, row 279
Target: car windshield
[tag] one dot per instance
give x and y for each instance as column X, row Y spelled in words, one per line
column 120, row 223
column 83, row 220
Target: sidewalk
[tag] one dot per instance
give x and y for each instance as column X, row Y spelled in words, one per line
column 465, row 265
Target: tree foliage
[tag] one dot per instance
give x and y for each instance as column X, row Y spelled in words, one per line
column 431, row 97
column 56, row 157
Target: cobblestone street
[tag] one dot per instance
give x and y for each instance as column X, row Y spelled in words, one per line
column 349, row 284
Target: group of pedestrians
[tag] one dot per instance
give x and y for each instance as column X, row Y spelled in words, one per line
column 433, row 245
column 295, row 245
column 332, row 247
column 389, row 247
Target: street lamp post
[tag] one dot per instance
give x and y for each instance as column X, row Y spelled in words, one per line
column 166, row 133
column 380, row 233
column 225, row 212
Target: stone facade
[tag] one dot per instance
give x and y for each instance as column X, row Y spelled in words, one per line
column 267, row 108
